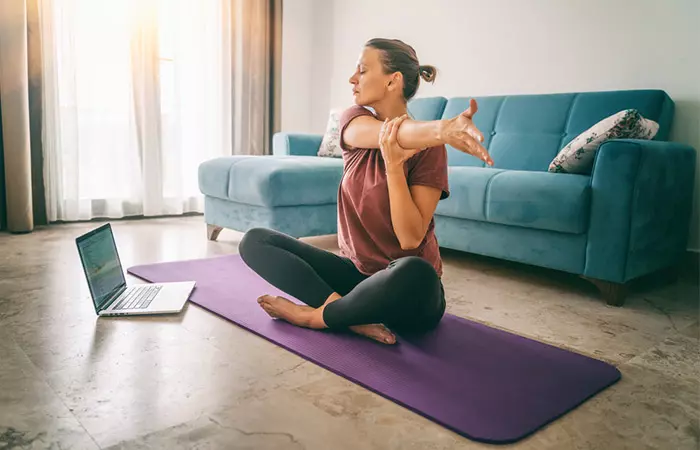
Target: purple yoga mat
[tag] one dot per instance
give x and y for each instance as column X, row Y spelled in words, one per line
column 483, row 383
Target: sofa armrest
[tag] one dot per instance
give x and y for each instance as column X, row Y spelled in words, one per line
column 641, row 201
column 296, row 144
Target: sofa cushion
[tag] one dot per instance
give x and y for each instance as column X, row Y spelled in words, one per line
column 272, row 180
column 540, row 200
column 213, row 175
column 468, row 187
column 427, row 108
column 589, row 108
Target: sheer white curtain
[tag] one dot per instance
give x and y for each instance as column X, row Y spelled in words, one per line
column 137, row 93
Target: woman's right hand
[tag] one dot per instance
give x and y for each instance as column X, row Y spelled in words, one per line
column 461, row 133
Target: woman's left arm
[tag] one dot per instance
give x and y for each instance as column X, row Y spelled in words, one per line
column 411, row 208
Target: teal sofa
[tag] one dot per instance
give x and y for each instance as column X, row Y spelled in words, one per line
column 628, row 218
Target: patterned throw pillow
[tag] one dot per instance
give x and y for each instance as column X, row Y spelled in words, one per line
column 578, row 155
column 330, row 145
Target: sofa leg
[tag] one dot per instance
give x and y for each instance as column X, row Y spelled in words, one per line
column 213, row 232
column 613, row 293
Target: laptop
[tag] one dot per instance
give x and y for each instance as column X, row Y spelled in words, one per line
column 110, row 294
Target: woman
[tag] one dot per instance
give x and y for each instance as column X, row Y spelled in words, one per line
column 387, row 277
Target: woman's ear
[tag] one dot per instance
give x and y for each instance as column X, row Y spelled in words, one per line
column 395, row 80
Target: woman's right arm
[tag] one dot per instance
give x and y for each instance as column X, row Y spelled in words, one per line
column 363, row 132
column 459, row 132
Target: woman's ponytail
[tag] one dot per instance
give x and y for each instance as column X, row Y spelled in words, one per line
column 427, row 72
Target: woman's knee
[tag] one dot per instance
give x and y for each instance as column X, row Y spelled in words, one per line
column 414, row 273
column 415, row 266
column 252, row 239
column 417, row 285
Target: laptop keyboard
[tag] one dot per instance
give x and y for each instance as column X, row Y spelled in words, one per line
column 137, row 297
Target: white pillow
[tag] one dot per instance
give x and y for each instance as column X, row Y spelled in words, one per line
column 330, row 145
column 578, row 155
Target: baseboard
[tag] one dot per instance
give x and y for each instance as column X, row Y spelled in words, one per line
column 126, row 218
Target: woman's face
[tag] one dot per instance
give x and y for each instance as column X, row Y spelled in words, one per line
column 369, row 82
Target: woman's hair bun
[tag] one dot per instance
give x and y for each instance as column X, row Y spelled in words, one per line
column 427, row 72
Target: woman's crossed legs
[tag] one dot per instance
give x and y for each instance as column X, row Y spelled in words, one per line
column 407, row 296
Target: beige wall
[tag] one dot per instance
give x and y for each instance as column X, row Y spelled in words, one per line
column 307, row 43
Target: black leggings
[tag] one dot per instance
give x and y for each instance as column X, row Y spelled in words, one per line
column 406, row 296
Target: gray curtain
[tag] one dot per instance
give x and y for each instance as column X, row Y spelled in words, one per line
column 275, row 70
column 21, row 183
column 256, row 66
column 35, row 112
column 14, row 95
column 3, row 210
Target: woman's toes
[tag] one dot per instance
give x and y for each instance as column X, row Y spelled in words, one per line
column 265, row 305
column 265, row 300
column 269, row 310
column 388, row 337
column 377, row 332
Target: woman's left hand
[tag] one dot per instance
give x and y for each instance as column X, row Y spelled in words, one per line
column 394, row 155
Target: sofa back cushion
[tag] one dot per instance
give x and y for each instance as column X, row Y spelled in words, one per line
column 426, row 108
column 525, row 132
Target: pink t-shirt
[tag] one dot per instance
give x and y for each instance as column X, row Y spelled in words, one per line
column 365, row 231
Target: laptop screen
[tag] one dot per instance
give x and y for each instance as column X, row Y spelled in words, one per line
column 103, row 270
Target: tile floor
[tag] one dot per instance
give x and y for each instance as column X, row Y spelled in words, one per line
column 69, row 380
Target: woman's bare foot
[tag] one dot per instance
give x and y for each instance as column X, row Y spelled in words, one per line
column 375, row 331
column 281, row 308
column 307, row 317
